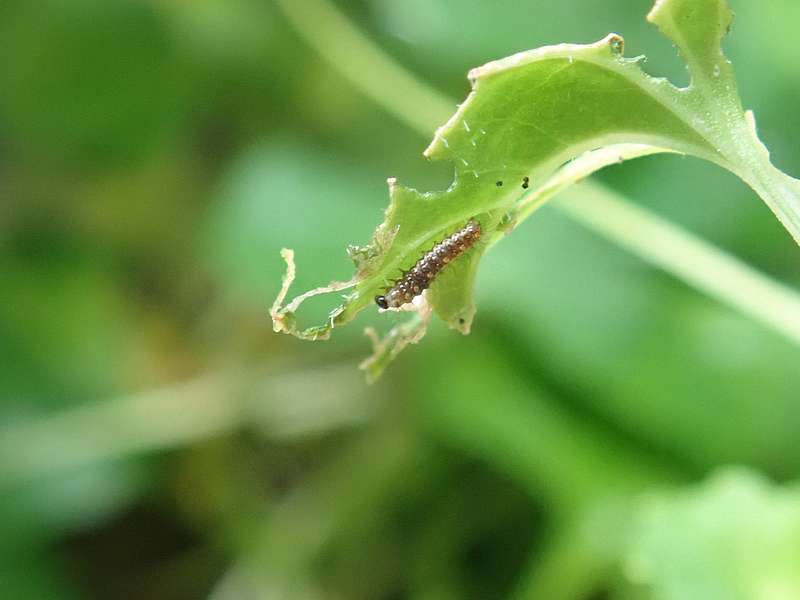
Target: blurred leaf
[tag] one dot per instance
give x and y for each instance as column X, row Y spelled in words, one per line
column 35, row 575
column 523, row 427
column 227, row 32
column 67, row 330
column 736, row 537
column 36, row 517
column 642, row 350
column 92, row 80
column 530, row 113
column 74, row 499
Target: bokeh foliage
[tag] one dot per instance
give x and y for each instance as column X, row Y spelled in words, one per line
column 159, row 441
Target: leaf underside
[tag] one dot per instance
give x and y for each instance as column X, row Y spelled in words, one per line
column 534, row 123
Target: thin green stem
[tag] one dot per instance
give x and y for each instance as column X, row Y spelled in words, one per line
column 666, row 246
column 662, row 244
column 176, row 415
column 370, row 70
column 689, row 258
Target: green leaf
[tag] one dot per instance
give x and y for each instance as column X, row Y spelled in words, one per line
column 737, row 537
column 527, row 116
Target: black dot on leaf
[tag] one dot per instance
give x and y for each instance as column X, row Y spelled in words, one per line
column 499, row 184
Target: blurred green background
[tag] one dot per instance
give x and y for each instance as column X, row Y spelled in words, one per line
column 157, row 440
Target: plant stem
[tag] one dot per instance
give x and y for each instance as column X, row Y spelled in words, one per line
column 179, row 414
column 689, row 258
column 371, row 71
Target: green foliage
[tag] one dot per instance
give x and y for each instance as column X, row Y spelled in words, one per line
column 736, row 537
column 114, row 115
column 157, row 440
column 528, row 115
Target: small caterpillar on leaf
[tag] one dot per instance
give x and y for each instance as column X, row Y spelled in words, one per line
column 421, row 275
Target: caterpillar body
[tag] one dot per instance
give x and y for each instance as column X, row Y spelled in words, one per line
column 421, row 275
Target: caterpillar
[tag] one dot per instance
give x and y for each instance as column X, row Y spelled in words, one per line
column 421, row 275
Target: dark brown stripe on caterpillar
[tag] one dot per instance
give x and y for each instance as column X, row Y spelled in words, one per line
column 421, row 275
